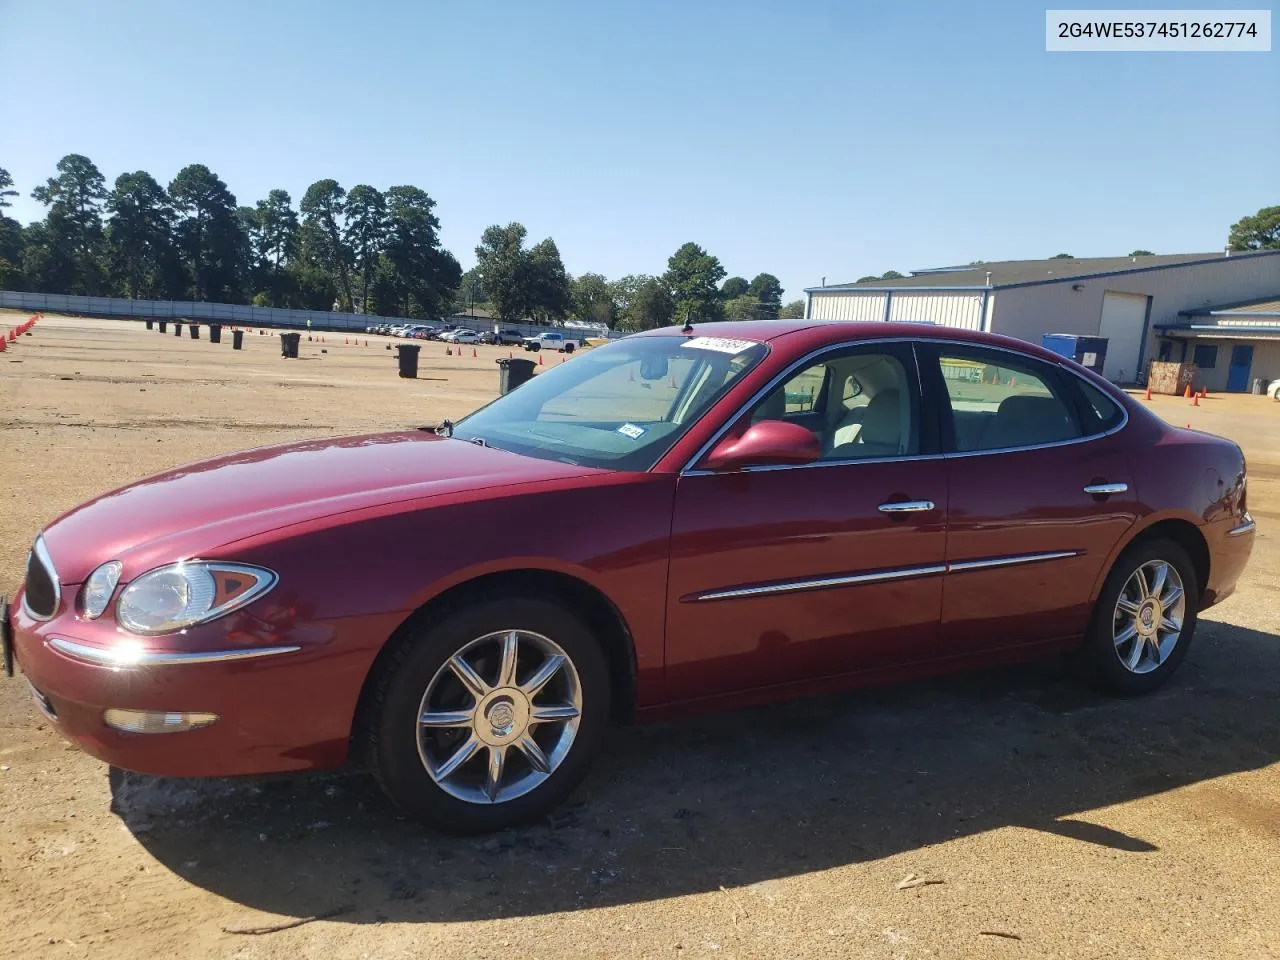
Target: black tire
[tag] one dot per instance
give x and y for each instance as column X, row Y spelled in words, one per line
column 1099, row 657
column 392, row 728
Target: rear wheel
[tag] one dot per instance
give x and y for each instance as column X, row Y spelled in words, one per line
column 490, row 717
column 1145, row 619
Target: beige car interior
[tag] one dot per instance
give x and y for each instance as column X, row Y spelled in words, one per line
column 867, row 409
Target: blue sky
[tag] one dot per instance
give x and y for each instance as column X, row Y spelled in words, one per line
column 806, row 138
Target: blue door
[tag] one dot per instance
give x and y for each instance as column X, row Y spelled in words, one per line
column 1238, row 375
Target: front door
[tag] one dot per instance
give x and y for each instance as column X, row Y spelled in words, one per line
column 1041, row 492
column 782, row 574
column 1241, row 363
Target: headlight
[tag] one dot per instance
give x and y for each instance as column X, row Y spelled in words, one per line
column 97, row 590
column 183, row 594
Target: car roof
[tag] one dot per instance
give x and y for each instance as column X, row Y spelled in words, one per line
column 803, row 335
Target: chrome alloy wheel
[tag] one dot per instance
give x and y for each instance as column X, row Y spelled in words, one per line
column 1148, row 617
column 499, row 717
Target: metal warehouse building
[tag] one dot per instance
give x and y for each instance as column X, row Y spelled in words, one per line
column 1167, row 307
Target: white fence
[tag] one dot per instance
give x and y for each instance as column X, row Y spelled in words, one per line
column 235, row 313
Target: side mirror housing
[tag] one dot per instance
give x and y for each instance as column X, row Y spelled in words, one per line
column 767, row 443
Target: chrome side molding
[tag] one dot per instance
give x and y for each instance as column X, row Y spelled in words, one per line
column 906, row 506
column 1247, row 527
column 123, row 657
column 881, row 576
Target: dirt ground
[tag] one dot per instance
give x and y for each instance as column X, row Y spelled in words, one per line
column 1051, row 822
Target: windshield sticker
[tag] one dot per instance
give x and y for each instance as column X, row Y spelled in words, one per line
column 719, row 344
column 631, row 431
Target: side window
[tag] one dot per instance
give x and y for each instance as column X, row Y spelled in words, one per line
column 1206, row 356
column 1101, row 412
column 999, row 401
column 860, row 406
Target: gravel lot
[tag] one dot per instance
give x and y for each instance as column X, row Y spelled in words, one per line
column 1049, row 821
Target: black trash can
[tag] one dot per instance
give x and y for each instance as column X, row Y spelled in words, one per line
column 215, row 333
column 237, row 339
column 177, row 329
column 407, row 355
column 163, row 325
column 513, row 371
column 149, row 324
column 195, row 330
column 289, row 344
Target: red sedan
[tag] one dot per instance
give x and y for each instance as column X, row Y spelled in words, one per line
column 679, row 520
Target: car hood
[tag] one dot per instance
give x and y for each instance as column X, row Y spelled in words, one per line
column 199, row 507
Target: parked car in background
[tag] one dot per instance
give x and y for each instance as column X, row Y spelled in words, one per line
column 461, row 335
column 1273, row 390
column 503, row 337
column 551, row 340
column 753, row 511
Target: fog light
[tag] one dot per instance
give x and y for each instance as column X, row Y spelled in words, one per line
column 156, row 721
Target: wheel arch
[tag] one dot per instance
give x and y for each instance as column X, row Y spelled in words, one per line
column 1181, row 531
column 602, row 617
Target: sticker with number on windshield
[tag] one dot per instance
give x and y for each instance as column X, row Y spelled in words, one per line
column 719, row 344
column 631, row 431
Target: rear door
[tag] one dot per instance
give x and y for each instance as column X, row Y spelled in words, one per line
column 1040, row 493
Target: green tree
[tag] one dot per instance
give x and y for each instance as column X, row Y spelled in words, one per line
column 892, row 275
column 733, row 288
column 1062, row 256
column 323, row 207
column 208, row 233
column 1141, row 253
column 552, row 297
column 366, row 234
column 471, row 291
column 275, row 242
column 745, row 307
column 139, row 235
column 792, row 311
column 593, row 299
column 10, row 238
column 415, row 275
column 74, row 222
column 693, row 278
column 1258, row 232
column 766, row 288
column 6, row 190
column 508, row 279
column 869, row 278
column 648, row 305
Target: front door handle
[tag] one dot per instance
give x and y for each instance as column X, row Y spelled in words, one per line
column 906, row 506
column 1106, row 489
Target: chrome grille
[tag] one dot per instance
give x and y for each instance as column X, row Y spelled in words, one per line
column 40, row 592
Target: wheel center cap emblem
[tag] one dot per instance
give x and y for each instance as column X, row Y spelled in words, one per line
column 1147, row 617
column 502, row 718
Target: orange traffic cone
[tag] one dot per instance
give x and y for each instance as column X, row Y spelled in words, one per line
column 473, row 353
column 510, row 355
column 1195, row 399
column 1148, row 392
column 539, row 358
column 1187, row 392
column 1204, row 393
column 4, row 344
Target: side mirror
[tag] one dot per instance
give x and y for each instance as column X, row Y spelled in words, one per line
column 653, row 368
column 767, row 443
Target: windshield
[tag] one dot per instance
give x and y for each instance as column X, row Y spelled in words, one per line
column 620, row 406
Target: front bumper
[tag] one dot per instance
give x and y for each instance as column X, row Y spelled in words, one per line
column 282, row 705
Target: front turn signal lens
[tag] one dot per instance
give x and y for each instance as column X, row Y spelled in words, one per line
column 156, row 721
column 98, row 588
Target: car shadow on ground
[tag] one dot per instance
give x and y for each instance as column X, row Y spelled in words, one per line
column 738, row 798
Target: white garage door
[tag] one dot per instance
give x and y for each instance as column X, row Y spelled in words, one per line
column 1123, row 317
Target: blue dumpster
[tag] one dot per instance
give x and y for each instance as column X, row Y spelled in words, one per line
column 1087, row 351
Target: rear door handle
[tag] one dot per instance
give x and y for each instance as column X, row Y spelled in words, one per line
column 1106, row 489
column 906, row 506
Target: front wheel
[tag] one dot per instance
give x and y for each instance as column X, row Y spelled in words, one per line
column 1145, row 619
column 490, row 717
